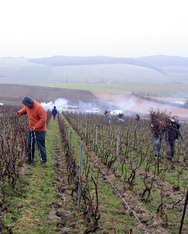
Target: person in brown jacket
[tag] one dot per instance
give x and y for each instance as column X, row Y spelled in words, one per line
column 37, row 118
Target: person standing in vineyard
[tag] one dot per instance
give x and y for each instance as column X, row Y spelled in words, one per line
column 158, row 128
column 54, row 112
column 108, row 116
column 37, row 117
column 172, row 134
column 158, row 140
column 137, row 117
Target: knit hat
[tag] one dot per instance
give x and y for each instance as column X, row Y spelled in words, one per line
column 28, row 101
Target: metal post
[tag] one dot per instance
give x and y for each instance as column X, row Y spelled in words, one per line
column 117, row 146
column 184, row 211
column 70, row 138
column 108, row 134
column 96, row 137
column 31, row 142
column 86, row 130
column 80, row 176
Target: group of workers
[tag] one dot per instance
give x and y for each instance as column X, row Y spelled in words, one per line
column 170, row 134
column 37, row 117
column 109, row 117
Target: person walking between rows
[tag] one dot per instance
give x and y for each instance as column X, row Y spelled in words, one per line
column 54, row 112
column 37, row 118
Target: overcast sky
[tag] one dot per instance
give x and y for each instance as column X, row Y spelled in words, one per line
column 120, row 28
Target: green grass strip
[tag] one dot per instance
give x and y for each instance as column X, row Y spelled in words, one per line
column 30, row 207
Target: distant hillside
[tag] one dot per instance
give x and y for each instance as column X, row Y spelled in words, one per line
column 175, row 67
column 97, row 60
column 166, row 61
column 95, row 70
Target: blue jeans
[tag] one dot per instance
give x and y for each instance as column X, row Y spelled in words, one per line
column 38, row 137
column 108, row 121
column 54, row 116
column 157, row 145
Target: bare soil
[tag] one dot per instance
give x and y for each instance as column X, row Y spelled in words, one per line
column 13, row 94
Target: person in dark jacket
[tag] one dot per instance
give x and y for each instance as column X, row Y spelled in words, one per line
column 137, row 117
column 120, row 118
column 54, row 112
column 172, row 135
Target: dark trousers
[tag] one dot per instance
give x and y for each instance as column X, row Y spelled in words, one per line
column 54, row 116
column 38, row 137
column 171, row 148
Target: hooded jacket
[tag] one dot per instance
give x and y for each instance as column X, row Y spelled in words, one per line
column 37, row 116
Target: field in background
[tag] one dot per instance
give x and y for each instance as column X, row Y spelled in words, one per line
column 94, row 70
column 82, row 74
column 158, row 90
column 13, row 94
column 112, row 98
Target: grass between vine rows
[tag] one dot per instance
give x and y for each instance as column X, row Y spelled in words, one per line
column 37, row 206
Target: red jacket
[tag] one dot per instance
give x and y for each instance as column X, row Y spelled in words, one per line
column 37, row 116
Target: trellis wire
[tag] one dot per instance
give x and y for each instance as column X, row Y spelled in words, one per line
column 118, row 193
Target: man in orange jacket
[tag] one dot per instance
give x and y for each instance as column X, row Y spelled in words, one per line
column 37, row 117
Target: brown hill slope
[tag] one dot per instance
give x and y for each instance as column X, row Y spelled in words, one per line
column 13, row 94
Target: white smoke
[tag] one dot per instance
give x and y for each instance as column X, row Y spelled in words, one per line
column 59, row 103
column 128, row 103
column 87, row 106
